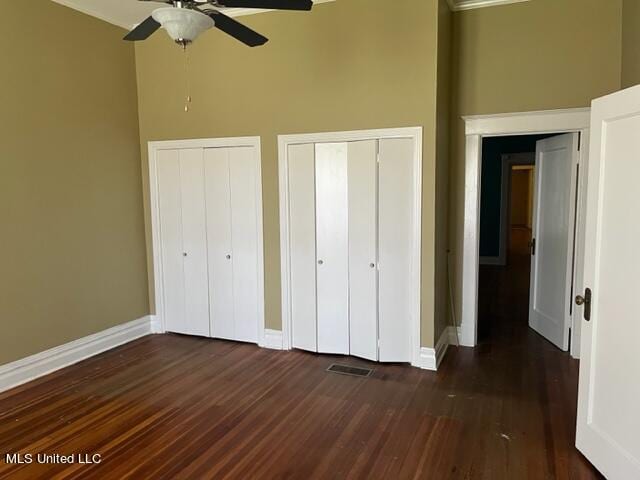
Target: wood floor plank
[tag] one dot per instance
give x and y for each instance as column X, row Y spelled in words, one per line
column 176, row 407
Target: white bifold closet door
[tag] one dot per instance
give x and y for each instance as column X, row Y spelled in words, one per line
column 216, row 168
column 351, row 224
column 210, row 233
column 232, row 232
column 302, row 238
column 363, row 256
column 184, row 244
column 395, row 234
column 332, row 279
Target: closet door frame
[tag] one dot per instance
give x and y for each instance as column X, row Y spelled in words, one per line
column 284, row 141
column 151, row 179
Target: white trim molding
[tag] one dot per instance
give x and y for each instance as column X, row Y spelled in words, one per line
column 414, row 133
column 431, row 358
column 476, row 128
column 159, row 325
column 458, row 5
column 271, row 339
column 427, row 359
column 35, row 366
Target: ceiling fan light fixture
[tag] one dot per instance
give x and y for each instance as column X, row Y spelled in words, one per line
column 182, row 24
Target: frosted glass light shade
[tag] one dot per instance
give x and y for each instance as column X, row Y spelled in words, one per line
column 182, row 24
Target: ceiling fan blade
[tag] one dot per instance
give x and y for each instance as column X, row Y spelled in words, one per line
column 270, row 4
column 236, row 29
column 143, row 31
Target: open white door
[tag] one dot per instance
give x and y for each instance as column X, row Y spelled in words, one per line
column 552, row 244
column 608, row 426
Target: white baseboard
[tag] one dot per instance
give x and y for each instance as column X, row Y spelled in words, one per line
column 454, row 339
column 442, row 345
column 272, row 339
column 427, row 359
column 431, row 358
column 29, row 368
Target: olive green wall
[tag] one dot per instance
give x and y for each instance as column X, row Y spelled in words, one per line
column 351, row 64
column 537, row 55
column 71, row 236
column 443, row 120
column 70, row 189
column 630, row 43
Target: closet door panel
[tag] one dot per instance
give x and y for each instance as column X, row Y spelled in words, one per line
column 170, row 207
column 195, row 242
column 218, row 200
column 363, row 233
column 244, row 234
column 332, row 248
column 395, row 234
column 302, row 241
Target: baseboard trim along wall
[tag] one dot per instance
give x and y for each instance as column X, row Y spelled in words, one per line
column 35, row 366
column 272, row 339
column 431, row 358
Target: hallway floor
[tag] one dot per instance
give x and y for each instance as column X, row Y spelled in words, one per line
column 169, row 406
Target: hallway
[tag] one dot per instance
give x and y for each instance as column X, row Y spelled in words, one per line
column 534, row 384
column 503, row 295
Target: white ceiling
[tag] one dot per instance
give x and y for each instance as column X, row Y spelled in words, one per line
column 469, row 4
column 128, row 13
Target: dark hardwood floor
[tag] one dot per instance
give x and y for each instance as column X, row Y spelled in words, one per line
column 174, row 407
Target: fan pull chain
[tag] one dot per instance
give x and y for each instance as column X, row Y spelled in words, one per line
column 186, row 79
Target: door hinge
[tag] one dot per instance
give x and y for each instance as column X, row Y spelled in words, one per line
column 579, row 140
column 532, row 246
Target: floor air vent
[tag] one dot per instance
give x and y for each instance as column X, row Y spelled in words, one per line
column 349, row 370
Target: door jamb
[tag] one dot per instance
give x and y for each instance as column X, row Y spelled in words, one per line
column 158, row 321
column 414, row 133
column 523, row 123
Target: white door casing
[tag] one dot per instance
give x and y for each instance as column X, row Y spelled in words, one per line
column 553, row 228
column 608, row 420
column 362, row 181
column 478, row 127
column 332, row 279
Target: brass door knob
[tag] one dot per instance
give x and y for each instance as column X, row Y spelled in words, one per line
column 580, row 300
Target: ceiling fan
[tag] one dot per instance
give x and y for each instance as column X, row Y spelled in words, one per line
column 187, row 19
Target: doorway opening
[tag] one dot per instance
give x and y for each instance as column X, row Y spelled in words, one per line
column 527, row 237
column 479, row 127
